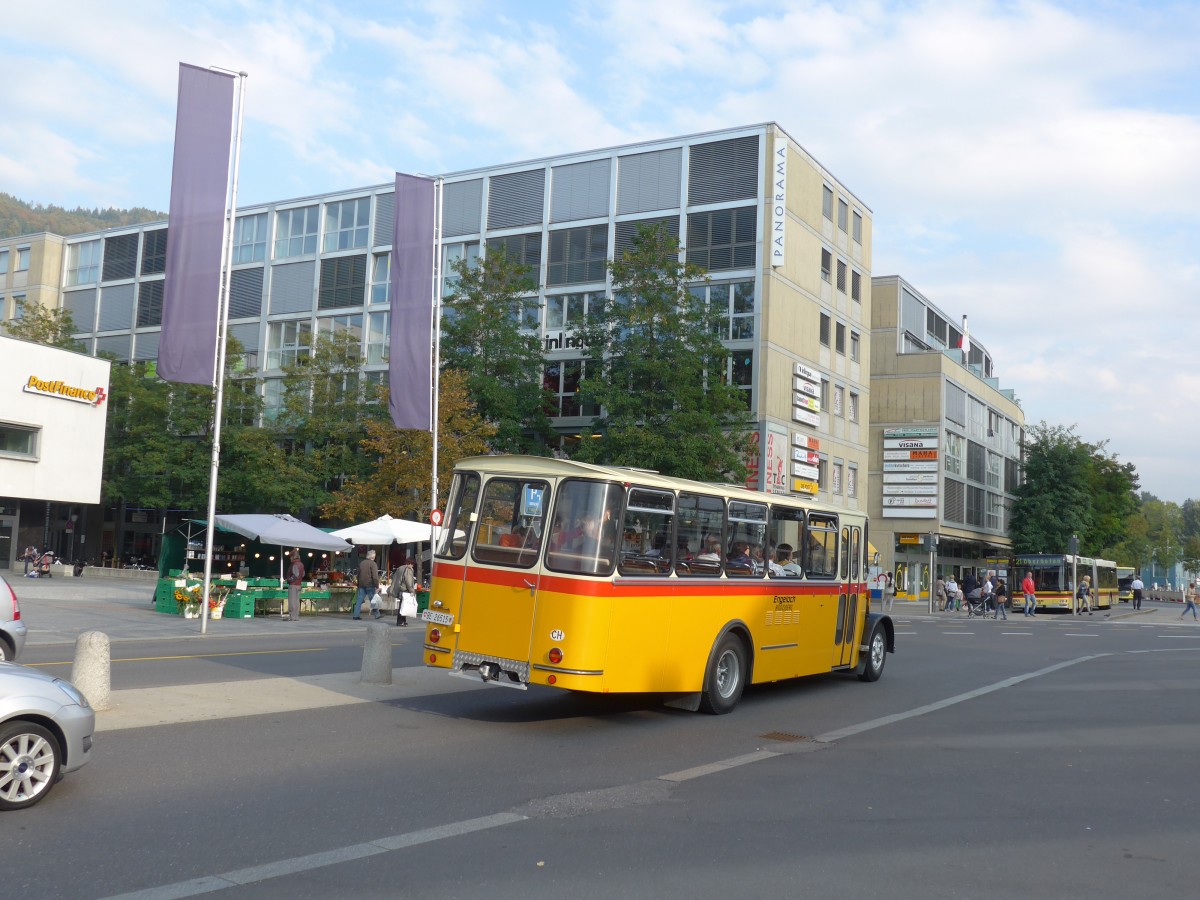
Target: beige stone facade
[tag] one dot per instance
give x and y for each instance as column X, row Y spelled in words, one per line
column 30, row 272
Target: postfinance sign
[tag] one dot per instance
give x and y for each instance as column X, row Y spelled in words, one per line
column 63, row 391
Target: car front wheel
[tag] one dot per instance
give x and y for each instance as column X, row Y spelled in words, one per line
column 29, row 763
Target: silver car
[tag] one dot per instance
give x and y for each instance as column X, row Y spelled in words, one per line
column 12, row 629
column 46, row 728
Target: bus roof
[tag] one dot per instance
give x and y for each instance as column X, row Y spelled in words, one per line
column 512, row 464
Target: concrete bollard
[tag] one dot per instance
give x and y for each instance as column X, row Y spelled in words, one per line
column 377, row 655
column 91, row 672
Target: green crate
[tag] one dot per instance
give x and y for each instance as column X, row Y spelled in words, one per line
column 240, row 606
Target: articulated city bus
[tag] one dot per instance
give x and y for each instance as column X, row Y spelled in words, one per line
column 1052, row 575
column 615, row 580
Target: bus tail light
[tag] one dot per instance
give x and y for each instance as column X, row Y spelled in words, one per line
column 555, row 655
column 435, row 635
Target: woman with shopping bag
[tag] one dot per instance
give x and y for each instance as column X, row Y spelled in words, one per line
column 402, row 590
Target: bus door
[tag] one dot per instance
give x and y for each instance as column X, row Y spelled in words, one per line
column 831, row 597
column 500, row 588
column 846, row 633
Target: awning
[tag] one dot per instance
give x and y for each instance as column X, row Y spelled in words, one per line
column 281, row 529
column 385, row 529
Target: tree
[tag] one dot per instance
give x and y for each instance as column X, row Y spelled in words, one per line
column 323, row 416
column 482, row 337
column 401, row 461
column 42, row 325
column 1054, row 501
column 656, row 368
column 1113, row 488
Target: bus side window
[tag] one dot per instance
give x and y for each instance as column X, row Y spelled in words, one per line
column 821, row 546
column 785, row 542
column 647, row 540
column 465, row 494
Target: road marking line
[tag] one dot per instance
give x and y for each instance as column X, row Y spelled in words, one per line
column 1077, row 634
column 254, row 874
column 719, row 766
column 831, row 736
column 193, row 656
column 1016, row 632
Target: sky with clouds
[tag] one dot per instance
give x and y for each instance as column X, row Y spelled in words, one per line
column 1033, row 165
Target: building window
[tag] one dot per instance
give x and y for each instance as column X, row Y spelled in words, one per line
column 852, row 480
column 381, row 278
column 18, row 306
column 452, row 253
column 954, row 453
column 120, row 257
column 995, row 511
column 250, row 239
column 826, row 265
column 565, row 312
column 561, row 380
column 333, row 326
column 835, row 480
column 722, row 239
column 378, row 337
column 826, row 322
column 4, row 261
column 343, row 282
column 296, row 232
column 346, row 224
column 154, row 251
column 83, row 263
column 735, row 303
column 272, row 398
column 843, row 212
column 854, row 341
column 853, row 407
column 857, row 227
column 521, row 249
column 994, row 466
column 824, row 393
column 578, row 255
column 823, row 474
column 827, row 202
column 741, row 374
column 18, row 441
column 22, row 260
column 840, row 339
column 839, row 394
column 856, row 287
column 841, row 276
column 529, row 318
column 286, row 342
column 149, row 303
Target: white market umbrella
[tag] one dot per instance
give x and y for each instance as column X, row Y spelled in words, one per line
column 384, row 530
column 281, row 529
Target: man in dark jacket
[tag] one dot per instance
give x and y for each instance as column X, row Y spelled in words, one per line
column 368, row 581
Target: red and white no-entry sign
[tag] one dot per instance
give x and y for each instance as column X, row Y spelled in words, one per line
column 435, row 517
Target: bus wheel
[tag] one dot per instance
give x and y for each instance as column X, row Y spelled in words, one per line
column 726, row 677
column 872, row 667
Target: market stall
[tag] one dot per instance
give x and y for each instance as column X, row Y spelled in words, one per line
column 247, row 566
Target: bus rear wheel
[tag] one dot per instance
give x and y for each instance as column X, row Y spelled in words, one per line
column 726, row 677
column 872, row 666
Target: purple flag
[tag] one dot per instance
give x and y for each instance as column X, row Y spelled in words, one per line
column 410, row 371
column 199, row 188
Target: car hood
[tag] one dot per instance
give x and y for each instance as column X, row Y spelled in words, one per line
column 11, row 670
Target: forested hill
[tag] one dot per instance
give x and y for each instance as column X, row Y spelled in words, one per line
column 18, row 217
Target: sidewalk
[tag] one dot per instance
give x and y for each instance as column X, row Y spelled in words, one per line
column 58, row 610
column 921, row 608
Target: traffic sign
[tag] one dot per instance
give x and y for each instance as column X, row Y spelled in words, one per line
column 435, row 517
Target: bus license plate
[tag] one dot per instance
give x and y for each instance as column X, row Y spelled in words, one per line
column 439, row 618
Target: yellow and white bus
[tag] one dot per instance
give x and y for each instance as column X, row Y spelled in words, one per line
column 615, row 580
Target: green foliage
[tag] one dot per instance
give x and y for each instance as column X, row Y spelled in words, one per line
column 482, row 338
column 657, row 368
column 1071, row 487
column 42, row 325
column 18, row 217
column 325, row 407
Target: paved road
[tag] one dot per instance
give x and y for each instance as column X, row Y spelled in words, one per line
column 1043, row 759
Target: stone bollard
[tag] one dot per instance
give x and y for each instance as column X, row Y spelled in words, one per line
column 91, row 672
column 377, row 655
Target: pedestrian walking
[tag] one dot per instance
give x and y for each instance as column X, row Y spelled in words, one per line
column 939, row 593
column 1029, row 589
column 403, row 582
column 29, row 557
column 295, row 578
column 1137, row 587
column 1084, row 595
column 999, row 596
column 1189, row 597
column 889, row 592
column 368, row 583
column 954, row 598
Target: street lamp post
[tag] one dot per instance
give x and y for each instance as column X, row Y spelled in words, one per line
column 1073, row 549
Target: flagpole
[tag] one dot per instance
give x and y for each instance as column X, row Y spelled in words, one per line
column 219, row 362
column 439, row 185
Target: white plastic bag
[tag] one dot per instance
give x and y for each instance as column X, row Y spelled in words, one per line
column 408, row 604
column 377, row 600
